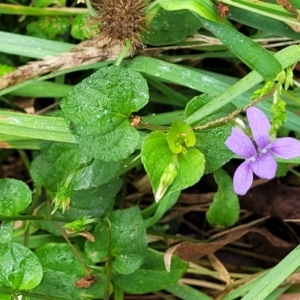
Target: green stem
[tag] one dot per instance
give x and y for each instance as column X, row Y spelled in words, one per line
column 123, row 52
column 108, row 265
column 150, row 210
column 25, row 159
column 34, row 218
column 118, row 293
column 129, row 163
column 38, row 11
column 90, row 8
column 152, row 127
column 29, row 294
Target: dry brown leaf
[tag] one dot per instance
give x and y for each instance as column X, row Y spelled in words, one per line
column 220, row 268
column 296, row 28
column 289, row 7
column 293, row 279
column 290, row 296
column 85, row 234
column 191, row 251
column 223, row 10
column 25, row 103
column 85, row 282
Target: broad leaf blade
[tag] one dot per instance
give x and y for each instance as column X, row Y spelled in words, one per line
column 20, row 268
column 57, row 160
column 225, row 208
column 211, row 141
column 151, row 276
column 156, row 156
column 68, row 261
column 98, row 112
column 16, row 196
column 128, row 243
column 164, row 28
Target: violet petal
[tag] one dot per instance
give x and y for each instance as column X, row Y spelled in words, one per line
column 239, row 143
column 260, row 127
column 285, row 147
column 242, row 179
column 264, row 166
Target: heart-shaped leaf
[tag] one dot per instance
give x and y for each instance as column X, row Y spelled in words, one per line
column 15, row 196
column 20, row 268
column 99, row 108
column 157, row 156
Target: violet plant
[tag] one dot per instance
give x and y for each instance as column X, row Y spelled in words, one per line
column 259, row 152
column 105, row 127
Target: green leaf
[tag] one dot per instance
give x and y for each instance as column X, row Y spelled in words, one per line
column 61, row 257
column 268, row 282
column 82, row 28
column 162, row 207
column 151, row 276
column 225, row 208
column 128, row 241
column 258, row 59
column 211, row 141
column 15, row 197
column 50, row 27
column 94, row 203
column 4, row 296
column 5, row 69
column 157, row 156
column 6, row 231
column 45, row 3
column 20, row 44
column 164, row 28
column 20, row 268
column 99, row 109
column 57, row 160
column 261, row 22
column 60, row 284
column 282, row 169
column 179, row 136
column 237, row 93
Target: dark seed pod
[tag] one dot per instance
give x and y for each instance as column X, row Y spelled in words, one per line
column 121, row 20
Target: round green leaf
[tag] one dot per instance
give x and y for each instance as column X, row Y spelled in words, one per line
column 151, row 276
column 100, row 201
column 57, row 160
column 225, row 208
column 98, row 112
column 61, row 257
column 60, row 284
column 157, row 156
column 165, row 29
column 128, row 241
column 15, row 196
column 211, row 141
column 20, row 268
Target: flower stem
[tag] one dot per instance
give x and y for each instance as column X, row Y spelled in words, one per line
column 108, row 265
column 123, row 52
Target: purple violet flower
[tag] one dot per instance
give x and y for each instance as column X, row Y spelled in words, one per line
column 259, row 155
